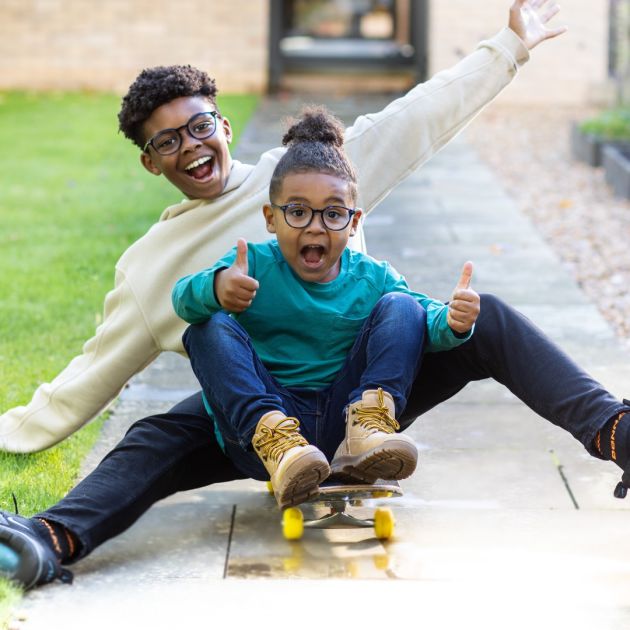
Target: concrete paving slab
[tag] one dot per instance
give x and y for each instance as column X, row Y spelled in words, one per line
column 501, row 479
column 458, row 425
column 259, row 550
column 592, row 482
column 565, row 549
column 495, row 603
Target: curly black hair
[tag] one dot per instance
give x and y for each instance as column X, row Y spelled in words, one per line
column 156, row 86
column 315, row 143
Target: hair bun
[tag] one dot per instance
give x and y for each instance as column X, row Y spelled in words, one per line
column 316, row 124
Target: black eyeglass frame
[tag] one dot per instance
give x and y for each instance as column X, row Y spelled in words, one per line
column 178, row 131
column 314, row 211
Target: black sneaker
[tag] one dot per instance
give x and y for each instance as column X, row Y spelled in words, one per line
column 622, row 487
column 24, row 557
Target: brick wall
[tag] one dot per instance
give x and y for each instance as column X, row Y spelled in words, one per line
column 103, row 44
column 569, row 70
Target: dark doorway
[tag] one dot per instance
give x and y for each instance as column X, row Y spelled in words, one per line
column 339, row 36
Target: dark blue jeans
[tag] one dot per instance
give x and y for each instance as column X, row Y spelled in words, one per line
column 240, row 390
column 177, row 450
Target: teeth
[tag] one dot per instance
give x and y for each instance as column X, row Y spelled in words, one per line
column 198, row 162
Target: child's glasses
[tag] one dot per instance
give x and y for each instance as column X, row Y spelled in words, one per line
column 168, row 141
column 298, row 215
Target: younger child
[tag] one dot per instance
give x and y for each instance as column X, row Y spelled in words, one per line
column 315, row 332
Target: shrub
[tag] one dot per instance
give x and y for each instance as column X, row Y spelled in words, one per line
column 613, row 124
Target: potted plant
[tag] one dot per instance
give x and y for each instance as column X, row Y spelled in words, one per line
column 610, row 128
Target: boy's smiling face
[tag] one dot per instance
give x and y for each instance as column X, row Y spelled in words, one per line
column 312, row 252
column 206, row 180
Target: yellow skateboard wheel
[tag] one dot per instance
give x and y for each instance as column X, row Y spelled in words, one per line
column 381, row 562
column 292, row 523
column 384, row 523
column 269, row 487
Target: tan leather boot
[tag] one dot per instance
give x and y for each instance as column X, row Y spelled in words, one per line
column 296, row 467
column 372, row 449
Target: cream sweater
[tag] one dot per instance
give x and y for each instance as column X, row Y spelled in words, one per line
column 139, row 322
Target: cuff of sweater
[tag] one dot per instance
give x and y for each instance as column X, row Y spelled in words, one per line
column 509, row 44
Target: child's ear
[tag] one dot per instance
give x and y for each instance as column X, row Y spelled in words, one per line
column 270, row 221
column 354, row 224
column 148, row 163
column 227, row 129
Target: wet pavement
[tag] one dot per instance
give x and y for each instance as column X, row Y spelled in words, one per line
column 506, row 523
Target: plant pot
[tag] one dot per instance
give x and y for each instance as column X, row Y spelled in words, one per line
column 588, row 147
column 616, row 162
column 585, row 147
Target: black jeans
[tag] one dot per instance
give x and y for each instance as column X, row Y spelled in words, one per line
column 166, row 453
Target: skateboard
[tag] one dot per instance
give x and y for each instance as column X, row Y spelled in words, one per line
column 338, row 497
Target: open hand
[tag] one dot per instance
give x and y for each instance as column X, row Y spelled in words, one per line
column 235, row 290
column 528, row 19
column 463, row 309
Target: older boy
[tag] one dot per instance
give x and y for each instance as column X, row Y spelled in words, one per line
column 171, row 114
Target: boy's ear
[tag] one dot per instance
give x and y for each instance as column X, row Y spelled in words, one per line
column 227, row 129
column 270, row 221
column 148, row 163
column 354, row 224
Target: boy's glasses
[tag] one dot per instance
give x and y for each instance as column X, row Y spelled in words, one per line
column 298, row 215
column 168, row 141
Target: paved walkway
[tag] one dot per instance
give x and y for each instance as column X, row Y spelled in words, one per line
column 507, row 522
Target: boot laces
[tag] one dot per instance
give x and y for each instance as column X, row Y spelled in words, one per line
column 377, row 418
column 272, row 443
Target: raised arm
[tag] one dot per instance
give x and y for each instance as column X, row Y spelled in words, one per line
column 389, row 145
column 121, row 347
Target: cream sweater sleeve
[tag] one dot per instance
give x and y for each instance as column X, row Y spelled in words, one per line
column 389, row 145
column 121, row 347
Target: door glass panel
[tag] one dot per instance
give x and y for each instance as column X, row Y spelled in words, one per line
column 346, row 29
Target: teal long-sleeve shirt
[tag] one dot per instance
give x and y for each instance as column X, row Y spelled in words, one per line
column 303, row 331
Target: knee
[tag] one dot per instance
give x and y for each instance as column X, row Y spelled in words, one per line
column 491, row 303
column 494, row 315
column 209, row 332
column 403, row 308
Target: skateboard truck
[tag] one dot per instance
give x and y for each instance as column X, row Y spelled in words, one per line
column 338, row 496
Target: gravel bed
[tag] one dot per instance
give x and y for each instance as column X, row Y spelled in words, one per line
column 569, row 202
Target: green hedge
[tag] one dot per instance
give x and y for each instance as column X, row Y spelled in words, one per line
column 612, row 124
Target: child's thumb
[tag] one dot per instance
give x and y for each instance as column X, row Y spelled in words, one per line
column 465, row 277
column 241, row 255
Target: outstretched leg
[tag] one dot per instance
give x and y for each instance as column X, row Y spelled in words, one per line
column 159, row 455
column 509, row 348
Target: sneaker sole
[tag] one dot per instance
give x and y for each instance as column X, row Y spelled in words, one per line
column 32, row 566
column 396, row 462
column 303, row 477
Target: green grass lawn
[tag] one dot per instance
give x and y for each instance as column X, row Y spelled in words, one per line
column 73, row 196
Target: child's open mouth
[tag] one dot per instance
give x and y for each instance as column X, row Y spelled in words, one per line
column 312, row 255
column 201, row 168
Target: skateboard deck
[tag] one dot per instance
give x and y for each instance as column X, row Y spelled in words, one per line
column 338, row 497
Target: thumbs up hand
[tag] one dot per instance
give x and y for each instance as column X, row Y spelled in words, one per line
column 463, row 309
column 234, row 289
